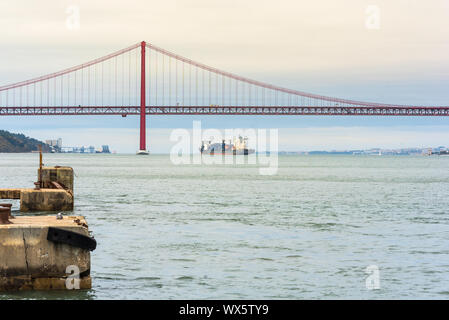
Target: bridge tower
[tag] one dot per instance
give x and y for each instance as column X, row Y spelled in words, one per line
column 142, row 148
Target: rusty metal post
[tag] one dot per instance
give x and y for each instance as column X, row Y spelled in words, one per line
column 38, row 184
column 4, row 215
column 7, row 205
column 40, row 166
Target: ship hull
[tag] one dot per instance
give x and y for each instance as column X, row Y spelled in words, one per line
column 226, row 149
column 230, row 153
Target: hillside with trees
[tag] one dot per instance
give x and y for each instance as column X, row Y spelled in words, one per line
column 16, row 142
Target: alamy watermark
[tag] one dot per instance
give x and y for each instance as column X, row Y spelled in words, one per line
column 73, row 279
column 372, row 20
column 372, row 282
column 72, row 21
column 233, row 146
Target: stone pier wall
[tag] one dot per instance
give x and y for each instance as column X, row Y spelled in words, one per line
column 29, row 261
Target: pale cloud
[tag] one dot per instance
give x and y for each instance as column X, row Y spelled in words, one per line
column 250, row 37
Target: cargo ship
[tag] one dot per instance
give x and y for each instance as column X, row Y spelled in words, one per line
column 238, row 147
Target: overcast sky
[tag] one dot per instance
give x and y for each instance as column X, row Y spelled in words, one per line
column 393, row 51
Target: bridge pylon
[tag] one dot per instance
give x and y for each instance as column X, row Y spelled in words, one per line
column 142, row 148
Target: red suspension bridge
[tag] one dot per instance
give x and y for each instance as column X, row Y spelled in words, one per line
column 144, row 79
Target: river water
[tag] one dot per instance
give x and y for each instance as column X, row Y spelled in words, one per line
column 168, row 231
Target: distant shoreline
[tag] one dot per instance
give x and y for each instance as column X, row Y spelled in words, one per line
column 289, row 154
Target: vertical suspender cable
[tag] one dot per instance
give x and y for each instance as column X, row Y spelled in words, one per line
column 183, row 88
column 62, row 92
column 236, row 92
column 190, row 84
column 203, row 90
column 48, row 93
column 169, row 82
column 196, row 86
column 156, row 79
column 249, row 95
column 230, row 92
column 149, row 76
column 95, row 84
column 257, row 95
column 176, row 80
column 102, row 84
column 82, row 86
column 243, row 93
column 263, row 96
column 123, row 80
column 115, row 84
column 68, row 89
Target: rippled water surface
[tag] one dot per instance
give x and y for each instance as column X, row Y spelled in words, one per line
column 226, row 232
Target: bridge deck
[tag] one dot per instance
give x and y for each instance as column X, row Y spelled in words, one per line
column 229, row 110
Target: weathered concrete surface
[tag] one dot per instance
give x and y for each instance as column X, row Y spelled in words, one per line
column 10, row 193
column 62, row 175
column 51, row 197
column 29, row 261
column 45, row 200
column 40, row 200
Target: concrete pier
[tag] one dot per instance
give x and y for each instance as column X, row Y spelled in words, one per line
column 62, row 175
column 44, row 252
column 10, row 193
column 55, row 193
column 40, row 200
column 28, row 261
column 45, row 200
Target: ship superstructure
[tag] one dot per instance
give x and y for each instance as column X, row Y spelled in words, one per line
column 237, row 147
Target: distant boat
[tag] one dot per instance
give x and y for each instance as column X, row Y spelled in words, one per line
column 239, row 147
column 142, row 153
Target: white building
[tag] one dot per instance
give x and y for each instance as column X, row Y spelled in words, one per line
column 54, row 143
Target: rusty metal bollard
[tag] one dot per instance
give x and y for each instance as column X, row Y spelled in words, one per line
column 5, row 212
column 7, row 205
